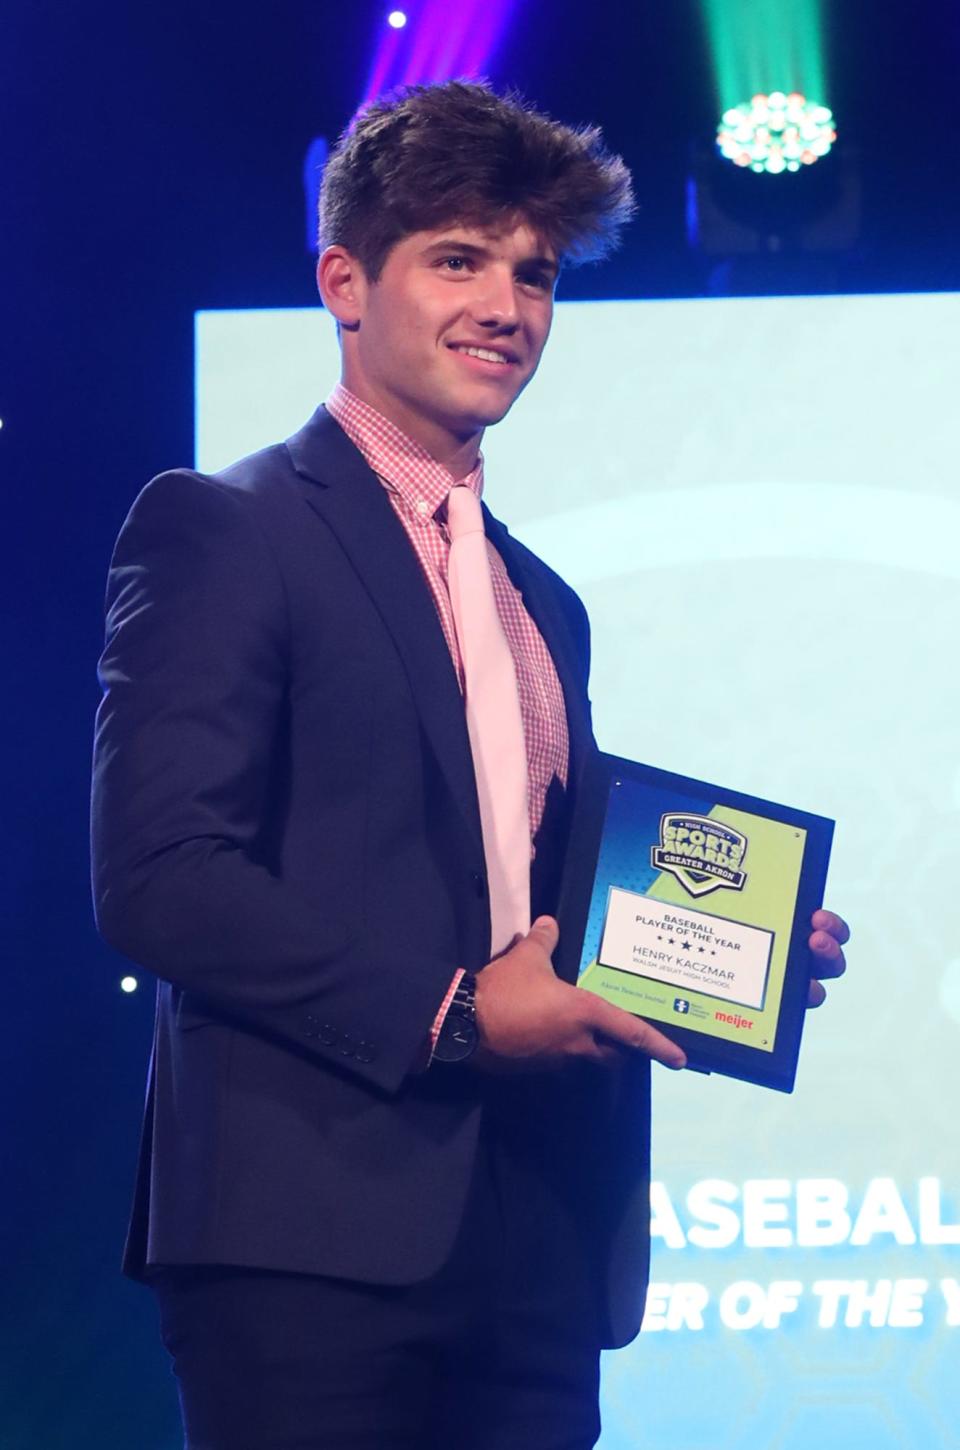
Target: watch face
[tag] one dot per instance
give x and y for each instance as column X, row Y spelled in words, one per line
column 458, row 1038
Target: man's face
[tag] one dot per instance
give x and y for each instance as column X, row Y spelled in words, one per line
column 452, row 331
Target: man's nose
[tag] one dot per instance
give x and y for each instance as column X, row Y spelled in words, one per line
column 495, row 301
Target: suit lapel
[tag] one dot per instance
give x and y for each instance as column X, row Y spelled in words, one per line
column 354, row 505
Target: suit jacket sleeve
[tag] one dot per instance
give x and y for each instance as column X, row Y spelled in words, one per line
column 195, row 675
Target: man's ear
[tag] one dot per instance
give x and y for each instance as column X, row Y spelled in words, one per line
column 342, row 284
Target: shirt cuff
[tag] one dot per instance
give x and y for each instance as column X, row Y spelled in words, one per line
column 440, row 1018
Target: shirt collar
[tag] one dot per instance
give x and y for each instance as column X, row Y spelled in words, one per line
column 401, row 463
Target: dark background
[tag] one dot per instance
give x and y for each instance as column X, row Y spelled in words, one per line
column 150, row 164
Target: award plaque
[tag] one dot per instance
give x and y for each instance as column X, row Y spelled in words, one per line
column 689, row 905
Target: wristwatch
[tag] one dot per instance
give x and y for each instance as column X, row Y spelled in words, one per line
column 459, row 1035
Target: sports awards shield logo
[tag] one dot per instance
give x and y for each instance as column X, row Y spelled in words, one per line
column 701, row 852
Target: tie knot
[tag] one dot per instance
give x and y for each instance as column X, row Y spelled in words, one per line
column 464, row 514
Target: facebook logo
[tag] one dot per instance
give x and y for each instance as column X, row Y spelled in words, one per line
column 681, row 1005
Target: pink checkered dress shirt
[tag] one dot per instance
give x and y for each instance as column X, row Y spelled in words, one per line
column 417, row 486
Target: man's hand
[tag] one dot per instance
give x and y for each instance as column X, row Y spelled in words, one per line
column 827, row 939
column 527, row 1017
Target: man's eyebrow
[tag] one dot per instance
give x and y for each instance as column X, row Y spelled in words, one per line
column 472, row 249
column 546, row 264
column 452, row 244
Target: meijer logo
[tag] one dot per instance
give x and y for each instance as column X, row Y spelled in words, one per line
column 735, row 1020
column 703, row 853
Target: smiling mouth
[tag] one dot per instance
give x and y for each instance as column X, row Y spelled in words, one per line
column 486, row 354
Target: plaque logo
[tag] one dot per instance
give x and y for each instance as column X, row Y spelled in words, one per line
column 702, row 853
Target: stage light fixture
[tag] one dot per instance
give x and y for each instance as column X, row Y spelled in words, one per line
column 397, row 19
column 128, row 984
column 776, row 132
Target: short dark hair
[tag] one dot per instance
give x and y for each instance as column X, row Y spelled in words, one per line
column 424, row 156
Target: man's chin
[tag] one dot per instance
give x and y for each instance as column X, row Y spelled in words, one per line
column 484, row 416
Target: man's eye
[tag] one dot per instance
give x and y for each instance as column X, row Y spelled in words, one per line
column 540, row 280
column 454, row 264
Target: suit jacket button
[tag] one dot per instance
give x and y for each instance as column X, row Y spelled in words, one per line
column 328, row 1035
column 346, row 1045
column 365, row 1051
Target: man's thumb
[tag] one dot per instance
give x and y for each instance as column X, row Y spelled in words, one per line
column 546, row 933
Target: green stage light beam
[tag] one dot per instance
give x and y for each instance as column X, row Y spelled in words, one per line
column 760, row 48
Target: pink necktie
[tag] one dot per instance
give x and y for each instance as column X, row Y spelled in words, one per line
column 494, row 721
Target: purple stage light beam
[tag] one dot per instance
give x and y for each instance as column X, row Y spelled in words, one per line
column 391, row 46
column 484, row 28
column 438, row 43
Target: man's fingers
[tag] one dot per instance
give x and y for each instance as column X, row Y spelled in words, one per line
column 829, row 921
column 602, row 1049
column 817, row 994
column 633, row 1032
column 828, row 954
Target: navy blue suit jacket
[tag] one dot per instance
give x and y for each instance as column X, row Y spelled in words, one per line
column 286, row 831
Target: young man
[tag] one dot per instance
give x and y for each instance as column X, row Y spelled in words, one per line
column 393, row 1187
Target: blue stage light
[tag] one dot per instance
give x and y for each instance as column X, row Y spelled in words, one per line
column 313, row 164
column 397, row 19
